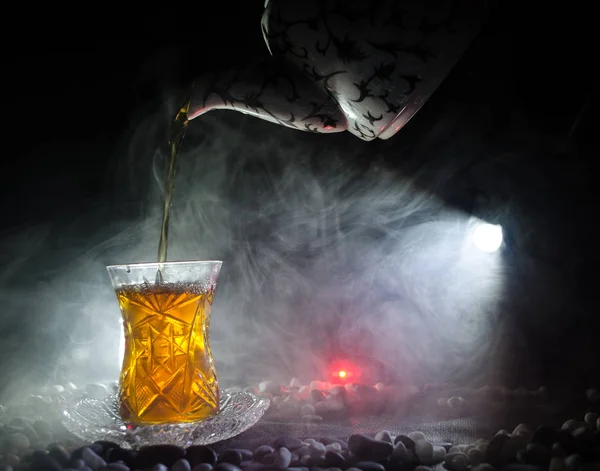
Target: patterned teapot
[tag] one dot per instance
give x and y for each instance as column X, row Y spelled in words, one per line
column 362, row 66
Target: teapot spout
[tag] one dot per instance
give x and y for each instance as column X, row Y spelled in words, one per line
column 273, row 91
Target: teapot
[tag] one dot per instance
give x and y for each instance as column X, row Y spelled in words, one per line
column 363, row 66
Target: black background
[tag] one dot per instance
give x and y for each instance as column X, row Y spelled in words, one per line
column 76, row 80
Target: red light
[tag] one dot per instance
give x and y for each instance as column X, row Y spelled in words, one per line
column 342, row 371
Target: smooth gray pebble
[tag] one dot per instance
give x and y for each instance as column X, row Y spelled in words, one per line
column 91, row 459
column 283, row 457
column 203, row 467
column 181, row 465
column 115, row 467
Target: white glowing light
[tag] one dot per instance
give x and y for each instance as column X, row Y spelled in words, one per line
column 487, row 237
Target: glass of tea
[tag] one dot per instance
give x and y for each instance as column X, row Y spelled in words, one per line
column 168, row 373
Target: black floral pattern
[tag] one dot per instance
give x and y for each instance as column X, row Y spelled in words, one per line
column 334, row 55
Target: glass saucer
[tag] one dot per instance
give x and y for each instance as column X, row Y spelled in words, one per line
column 98, row 419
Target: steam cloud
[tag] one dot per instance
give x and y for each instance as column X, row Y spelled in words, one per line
column 327, row 253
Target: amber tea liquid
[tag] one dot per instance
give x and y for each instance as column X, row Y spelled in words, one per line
column 168, row 373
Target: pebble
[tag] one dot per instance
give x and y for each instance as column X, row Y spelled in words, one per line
column 548, row 448
column 19, row 422
column 59, row 453
column 557, row 464
column 12, row 459
column 583, row 434
column 368, row 448
column 76, row 454
column 106, row 445
column 181, row 465
column 198, row 454
column 369, row 466
column 283, row 457
column 558, row 450
column 262, row 451
column 451, row 455
column 233, row 457
column 459, row 462
column 573, row 462
column 302, row 451
column 91, row 459
column 118, row 467
column 475, row 456
column 537, row 454
column 593, row 394
column 544, row 435
column 483, row 467
column 416, row 436
column 399, row 454
column 46, row 463
column 333, row 447
column 202, row 467
column 226, row 467
column 76, row 464
column 269, row 387
column 16, row 442
column 590, row 419
column 439, row 453
column 165, row 454
column 247, row 466
column 522, row 430
column 570, row 424
column 317, row 396
column 424, row 451
column 408, row 442
column 384, row 436
column 522, row 467
column 494, row 450
column 290, row 443
column 511, row 447
column 567, row 441
column 96, row 390
column 330, row 441
column 334, row 459
column 316, row 450
column 119, row 454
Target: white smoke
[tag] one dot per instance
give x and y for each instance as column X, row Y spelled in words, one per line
column 327, row 253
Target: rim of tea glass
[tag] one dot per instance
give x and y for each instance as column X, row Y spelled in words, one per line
column 157, row 264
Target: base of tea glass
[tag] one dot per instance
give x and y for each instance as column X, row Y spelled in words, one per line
column 92, row 419
column 168, row 372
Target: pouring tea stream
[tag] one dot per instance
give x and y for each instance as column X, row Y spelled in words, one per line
column 337, row 65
